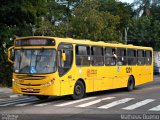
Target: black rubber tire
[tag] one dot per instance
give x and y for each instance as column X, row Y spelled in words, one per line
column 42, row 97
column 131, row 84
column 79, row 91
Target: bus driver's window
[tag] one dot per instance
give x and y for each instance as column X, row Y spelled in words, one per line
column 65, row 65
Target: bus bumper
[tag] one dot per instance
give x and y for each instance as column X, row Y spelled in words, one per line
column 51, row 90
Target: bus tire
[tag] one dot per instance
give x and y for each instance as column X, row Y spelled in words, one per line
column 131, row 84
column 79, row 90
column 42, row 97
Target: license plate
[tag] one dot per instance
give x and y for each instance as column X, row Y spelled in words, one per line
column 29, row 90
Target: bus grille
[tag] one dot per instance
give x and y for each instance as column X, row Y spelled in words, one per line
column 26, row 91
column 31, row 84
column 29, row 77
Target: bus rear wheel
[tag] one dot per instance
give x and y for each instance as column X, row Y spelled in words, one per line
column 42, row 97
column 79, row 90
column 131, row 84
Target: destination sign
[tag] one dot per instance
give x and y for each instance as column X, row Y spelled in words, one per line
column 35, row 42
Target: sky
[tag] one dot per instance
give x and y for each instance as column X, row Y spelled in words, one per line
column 128, row 1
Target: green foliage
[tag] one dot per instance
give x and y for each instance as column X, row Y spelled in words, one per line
column 17, row 17
column 5, row 68
column 145, row 31
column 123, row 10
column 90, row 23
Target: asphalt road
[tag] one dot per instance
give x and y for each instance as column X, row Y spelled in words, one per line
column 143, row 103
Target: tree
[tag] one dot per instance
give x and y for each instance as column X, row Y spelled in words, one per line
column 90, row 23
column 155, row 10
column 123, row 10
column 145, row 32
column 143, row 7
column 144, row 28
column 17, row 18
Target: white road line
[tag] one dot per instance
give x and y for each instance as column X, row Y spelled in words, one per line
column 94, row 102
column 115, row 103
column 16, row 102
column 43, row 104
column 24, row 104
column 75, row 101
column 138, row 104
column 157, row 108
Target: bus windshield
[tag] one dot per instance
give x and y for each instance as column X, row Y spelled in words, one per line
column 35, row 61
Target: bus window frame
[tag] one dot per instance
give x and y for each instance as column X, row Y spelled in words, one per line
column 125, row 57
column 88, row 56
column 111, row 56
column 60, row 50
column 150, row 58
column 133, row 58
column 141, row 58
column 96, row 55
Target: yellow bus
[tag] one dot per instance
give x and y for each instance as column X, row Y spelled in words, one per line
column 52, row 66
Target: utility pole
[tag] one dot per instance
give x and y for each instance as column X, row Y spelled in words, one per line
column 126, row 34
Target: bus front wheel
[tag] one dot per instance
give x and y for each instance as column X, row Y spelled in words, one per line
column 79, row 90
column 131, row 84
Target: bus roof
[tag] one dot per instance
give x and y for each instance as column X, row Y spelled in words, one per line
column 87, row 42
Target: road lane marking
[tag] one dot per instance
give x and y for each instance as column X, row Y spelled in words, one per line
column 138, row 104
column 24, row 104
column 94, row 102
column 118, row 102
column 157, row 108
column 43, row 104
column 76, row 101
column 17, row 102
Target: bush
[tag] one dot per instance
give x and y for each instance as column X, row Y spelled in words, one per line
column 5, row 74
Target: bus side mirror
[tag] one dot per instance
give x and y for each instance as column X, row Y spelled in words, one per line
column 11, row 54
column 63, row 56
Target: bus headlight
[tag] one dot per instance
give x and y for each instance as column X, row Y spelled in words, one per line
column 48, row 84
column 17, row 84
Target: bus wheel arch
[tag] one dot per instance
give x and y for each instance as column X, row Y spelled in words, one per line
column 79, row 90
column 131, row 83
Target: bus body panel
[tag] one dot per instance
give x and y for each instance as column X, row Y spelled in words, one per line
column 96, row 78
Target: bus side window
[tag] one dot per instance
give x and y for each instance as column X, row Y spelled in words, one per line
column 110, row 56
column 65, row 65
column 141, row 57
column 97, row 56
column 121, row 59
column 148, row 59
column 82, row 55
column 132, row 56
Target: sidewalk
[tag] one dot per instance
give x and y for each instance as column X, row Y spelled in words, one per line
column 7, row 93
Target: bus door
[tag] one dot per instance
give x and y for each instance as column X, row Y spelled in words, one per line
column 120, row 76
column 65, row 60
